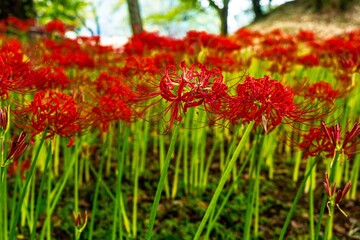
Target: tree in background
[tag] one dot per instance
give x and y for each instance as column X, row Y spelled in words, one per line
column 68, row 11
column 135, row 16
column 257, row 9
column 222, row 8
column 340, row 5
column 22, row 9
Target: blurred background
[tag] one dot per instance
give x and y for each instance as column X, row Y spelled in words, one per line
column 111, row 18
column 116, row 20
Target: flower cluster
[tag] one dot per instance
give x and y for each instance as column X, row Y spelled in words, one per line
column 195, row 86
column 57, row 112
column 264, row 100
column 329, row 141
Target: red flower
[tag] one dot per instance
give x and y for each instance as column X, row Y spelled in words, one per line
column 111, row 108
column 20, row 24
column 315, row 142
column 309, row 60
column 195, row 86
column 17, row 147
column 340, row 195
column 55, row 26
column 329, row 140
column 263, row 100
column 322, row 91
column 56, row 110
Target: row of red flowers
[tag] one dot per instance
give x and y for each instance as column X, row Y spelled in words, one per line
column 79, row 83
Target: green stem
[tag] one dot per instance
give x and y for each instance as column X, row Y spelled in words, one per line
column 76, row 183
column 23, row 192
column 297, row 197
column 177, row 170
column 223, row 180
column 328, row 233
column 39, row 199
column 323, row 203
column 161, row 183
column 311, row 206
column 99, row 180
column 222, row 206
column 48, row 200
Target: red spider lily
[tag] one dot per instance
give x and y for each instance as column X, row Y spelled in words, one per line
column 55, row 78
column 137, row 67
column 350, row 143
column 16, row 75
column 246, row 37
column 80, row 222
column 195, row 86
column 4, row 120
column 114, row 86
column 17, row 147
column 71, row 59
column 13, row 78
column 309, row 60
column 223, row 63
column 20, row 24
column 199, row 39
column 145, row 42
column 306, row 36
column 111, row 108
column 329, row 140
column 315, row 142
column 322, row 91
column 263, row 100
column 56, row 110
column 55, row 26
column 340, row 195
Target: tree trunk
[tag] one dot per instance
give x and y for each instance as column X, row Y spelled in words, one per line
column 135, row 17
column 223, row 15
column 223, row 18
column 319, row 4
column 22, row 9
column 257, row 9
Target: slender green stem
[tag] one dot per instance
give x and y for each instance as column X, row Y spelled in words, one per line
column 297, row 197
column 253, row 183
column 23, row 192
column 311, row 206
column 39, row 200
column 328, row 232
column 223, row 180
column 177, row 170
column 163, row 175
column 3, row 211
column 48, row 198
column 222, row 206
column 97, row 187
column 323, row 203
column 76, row 183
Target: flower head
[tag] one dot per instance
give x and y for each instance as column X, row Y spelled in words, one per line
column 195, row 86
column 340, row 195
column 263, row 100
column 322, row 91
column 59, row 111
column 17, row 148
column 330, row 140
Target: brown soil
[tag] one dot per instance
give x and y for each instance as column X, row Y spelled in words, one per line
column 294, row 16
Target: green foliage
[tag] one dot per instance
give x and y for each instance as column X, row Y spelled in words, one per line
column 178, row 13
column 69, row 11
